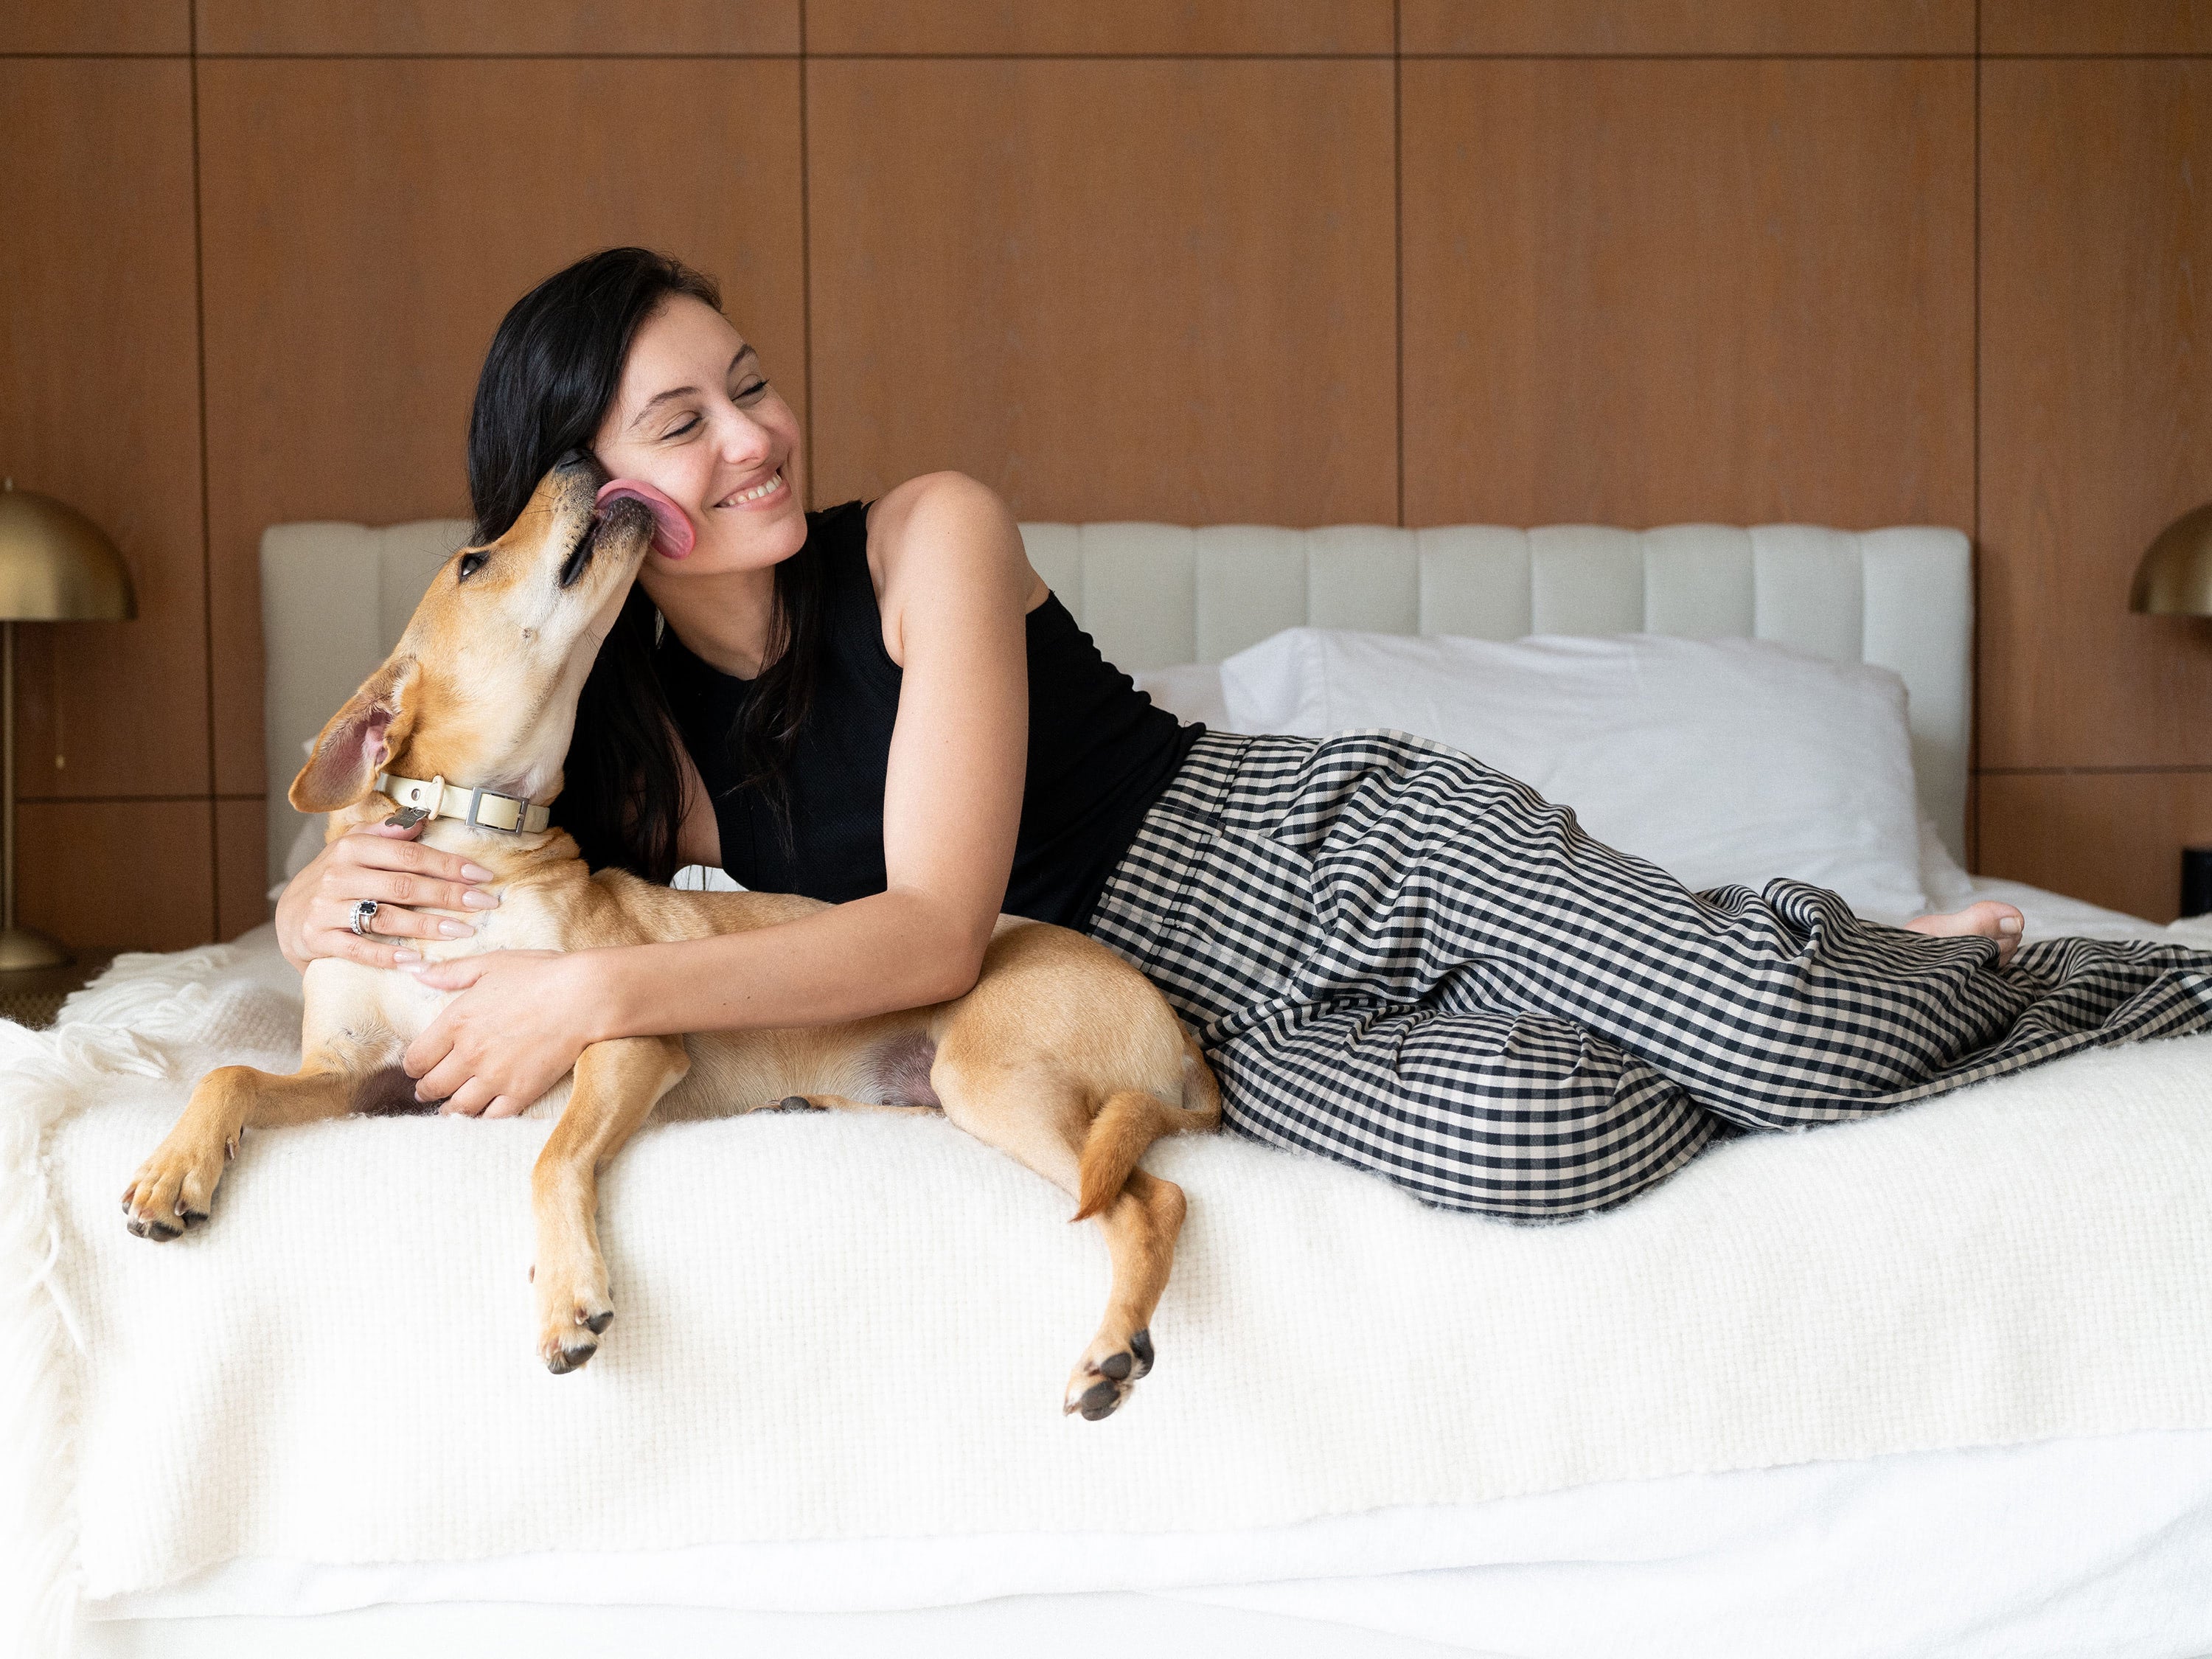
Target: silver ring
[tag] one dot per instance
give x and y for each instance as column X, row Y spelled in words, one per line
column 364, row 912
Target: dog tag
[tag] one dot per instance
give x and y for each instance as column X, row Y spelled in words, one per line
column 408, row 816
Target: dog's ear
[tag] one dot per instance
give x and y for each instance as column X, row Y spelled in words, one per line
column 360, row 738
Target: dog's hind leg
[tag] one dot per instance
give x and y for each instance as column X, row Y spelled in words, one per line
column 175, row 1188
column 1044, row 1121
column 617, row 1084
column 1141, row 1226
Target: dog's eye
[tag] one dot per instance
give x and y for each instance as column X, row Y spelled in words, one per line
column 470, row 563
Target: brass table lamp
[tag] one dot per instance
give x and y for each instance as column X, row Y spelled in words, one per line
column 55, row 565
column 2175, row 580
column 2175, row 576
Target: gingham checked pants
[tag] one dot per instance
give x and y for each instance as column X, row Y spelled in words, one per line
column 1399, row 958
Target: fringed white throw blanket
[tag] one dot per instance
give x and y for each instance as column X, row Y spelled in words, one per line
column 857, row 1327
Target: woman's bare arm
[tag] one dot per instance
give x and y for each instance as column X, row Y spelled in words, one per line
column 955, row 585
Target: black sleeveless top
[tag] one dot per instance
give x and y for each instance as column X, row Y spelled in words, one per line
column 1099, row 753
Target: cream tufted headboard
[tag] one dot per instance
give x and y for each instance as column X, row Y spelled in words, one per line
column 335, row 596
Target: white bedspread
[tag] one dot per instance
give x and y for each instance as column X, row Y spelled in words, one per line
column 834, row 1327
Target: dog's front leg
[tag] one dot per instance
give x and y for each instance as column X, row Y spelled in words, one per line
column 617, row 1084
column 174, row 1188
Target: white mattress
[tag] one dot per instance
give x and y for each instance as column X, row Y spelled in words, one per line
column 2088, row 1543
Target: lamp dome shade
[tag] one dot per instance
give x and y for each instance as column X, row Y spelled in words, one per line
column 55, row 565
column 2175, row 576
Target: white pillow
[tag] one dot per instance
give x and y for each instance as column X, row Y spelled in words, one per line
column 1191, row 691
column 1722, row 761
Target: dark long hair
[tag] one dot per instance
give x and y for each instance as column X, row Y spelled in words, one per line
column 551, row 374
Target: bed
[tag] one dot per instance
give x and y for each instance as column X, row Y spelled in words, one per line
column 1939, row 1382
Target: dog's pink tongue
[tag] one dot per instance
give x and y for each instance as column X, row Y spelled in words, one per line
column 672, row 536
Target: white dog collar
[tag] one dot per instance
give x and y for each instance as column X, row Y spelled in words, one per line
column 481, row 808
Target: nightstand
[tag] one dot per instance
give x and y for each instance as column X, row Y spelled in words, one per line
column 33, row 996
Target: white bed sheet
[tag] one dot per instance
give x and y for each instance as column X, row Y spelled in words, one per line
column 2067, row 1547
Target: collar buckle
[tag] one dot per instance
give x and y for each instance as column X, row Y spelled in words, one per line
column 484, row 809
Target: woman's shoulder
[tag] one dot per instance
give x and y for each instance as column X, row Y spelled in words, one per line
column 945, row 544
column 938, row 492
column 936, row 511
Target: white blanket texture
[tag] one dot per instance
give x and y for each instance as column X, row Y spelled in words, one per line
column 833, row 1327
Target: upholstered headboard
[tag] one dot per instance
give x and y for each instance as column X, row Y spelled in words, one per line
column 335, row 596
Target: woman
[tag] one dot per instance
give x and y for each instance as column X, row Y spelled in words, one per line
column 1394, row 956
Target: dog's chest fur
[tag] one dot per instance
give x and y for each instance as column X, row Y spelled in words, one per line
column 375, row 1012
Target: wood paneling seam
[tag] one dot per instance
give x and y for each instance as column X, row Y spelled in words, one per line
column 2089, row 771
column 194, row 799
column 207, row 551
column 1974, row 573
column 1398, row 234
column 806, row 265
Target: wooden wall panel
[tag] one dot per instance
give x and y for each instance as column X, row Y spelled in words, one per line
column 1602, row 26
column 96, row 26
column 2096, row 410
column 2096, row 26
column 241, row 870
column 2112, row 838
column 1614, row 314
column 131, row 874
column 100, row 360
column 523, row 27
column 1661, row 259
column 1114, row 289
column 367, row 223
column 1148, row 27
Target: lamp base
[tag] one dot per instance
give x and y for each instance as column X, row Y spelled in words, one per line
column 2196, row 880
column 25, row 947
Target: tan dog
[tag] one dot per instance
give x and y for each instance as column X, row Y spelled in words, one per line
column 1062, row 1055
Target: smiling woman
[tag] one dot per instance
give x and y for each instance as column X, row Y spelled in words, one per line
column 1393, row 955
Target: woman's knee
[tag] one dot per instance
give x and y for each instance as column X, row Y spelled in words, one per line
column 1516, row 1116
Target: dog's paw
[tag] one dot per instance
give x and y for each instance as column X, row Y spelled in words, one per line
column 1108, row 1370
column 174, row 1189
column 571, row 1320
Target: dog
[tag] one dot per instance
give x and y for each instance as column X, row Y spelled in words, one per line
column 1062, row 1055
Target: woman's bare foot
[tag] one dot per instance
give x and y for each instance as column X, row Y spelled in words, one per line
column 1990, row 918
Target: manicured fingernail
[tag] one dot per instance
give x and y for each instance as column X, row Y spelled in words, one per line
column 476, row 873
column 403, row 958
column 452, row 929
column 2007, row 923
column 479, row 901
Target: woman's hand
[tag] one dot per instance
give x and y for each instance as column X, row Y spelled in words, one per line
column 520, row 1021
column 379, row 861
